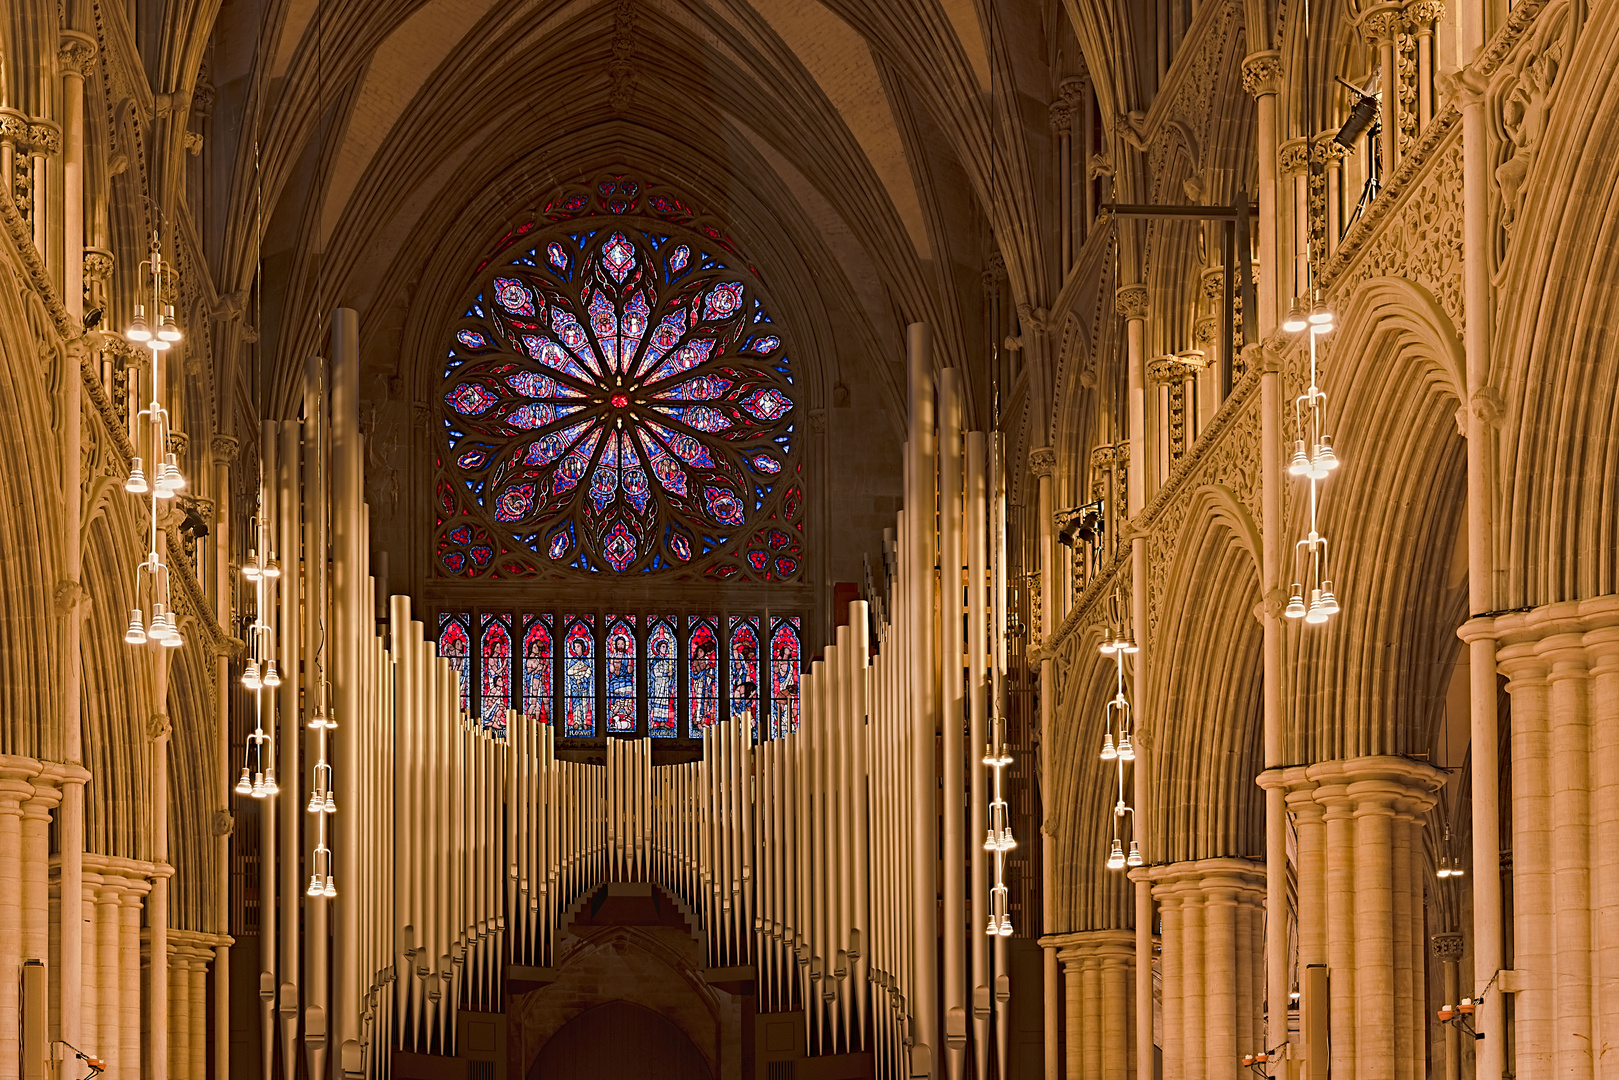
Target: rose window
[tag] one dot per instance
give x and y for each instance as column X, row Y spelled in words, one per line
column 618, row 400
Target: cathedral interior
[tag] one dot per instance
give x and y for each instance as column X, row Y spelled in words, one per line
column 819, row 539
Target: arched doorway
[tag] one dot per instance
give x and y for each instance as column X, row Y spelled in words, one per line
column 619, row 1041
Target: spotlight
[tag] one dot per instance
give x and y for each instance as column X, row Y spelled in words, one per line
column 244, row 786
column 1295, row 603
column 1362, row 116
column 138, row 330
column 1115, row 858
column 136, row 484
column 1320, row 317
column 1295, row 319
column 331, row 890
column 1134, row 858
column 315, row 888
column 1299, row 463
column 270, row 786
column 1329, row 602
column 136, row 634
column 1108, row 752
column 1127, row 752
column 1324, row 460
column 1317, row 612
column 272, row 677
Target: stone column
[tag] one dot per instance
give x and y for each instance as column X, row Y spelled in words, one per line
column 1562, row 666
column 16, row 774
column 130, row 978
column 1098, row 977
column 105, row 976
column 1062, row 126
column 1262, row 77
column 1447, row 949
column 1380, row 27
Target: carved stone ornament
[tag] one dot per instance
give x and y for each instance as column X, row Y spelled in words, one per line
column 1131, row 301
column 1382, row 24
column 1448, row 948
column 1062, row 117
column 1043, row 461
column 70, row 596
column 13, row 126
column 157, row 726
column 75, row 53
column 1293, row 158
column 1422, row 15
column 97, row 265
column 224, row 822
column 45, row 138
column 1262, row 73
column 178, row 442
column 817, row 418
column 224, row 447
column 1073, row 90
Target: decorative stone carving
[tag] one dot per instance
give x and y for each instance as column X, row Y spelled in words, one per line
column 1447, row 948
column 224, row 448
column 1061, row 115
column 70, row 596
column 97, row 265
column 817, row 418
column 1073, row 90
column 1043, row 461
column 622, row 70
column 1424, row 14
column 45, row 138
column 157, row 726
column 1131, row 301
column 1262, row 73
column 224, row 822
column 193, row 143
column 1293, row 159
column 75, row 53
column 1381, row 25
column 1525, row 108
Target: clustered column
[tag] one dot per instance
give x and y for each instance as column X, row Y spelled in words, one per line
column 1213, row 971
column 1360, row 900
column 1099, row 995
column 114, row 890
column 1562, row 668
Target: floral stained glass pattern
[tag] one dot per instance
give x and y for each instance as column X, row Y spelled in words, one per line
column 537, row 671
column 662, row 679
column 495, row 672
column 579, row 677
column 618, row 400
column 744, row 673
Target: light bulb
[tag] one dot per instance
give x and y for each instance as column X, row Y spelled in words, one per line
column 258, row 786
column 1008, row 841
column 250, row 675
column 1108, row 648
column 272, row 677
column 1320, row 317
column 167, row 330
column 1108, row 753
column 989, row 840
column 138, row 330
column 244, row 786
column 270, row 786
column 1127, row 647
column 316, row 803
column 994, row 927
column 1115, row 858
column 1295, row 603
column 272, row 569
column 1325, row 459
column 1127, row 752
column 315, row 888
column 1295, row 320
column 136, row 484
column 136, row 634
column 1006, row 926
column 330, row 805
column 1134, row 858
column 331, row 888
column 157, row 344
column 1317, row 613
column 170, row 477
column 174, row 640
column 1456, row 870
column 160, row 623
column 1299, row 464
column 250, row 569
column 1329, row 602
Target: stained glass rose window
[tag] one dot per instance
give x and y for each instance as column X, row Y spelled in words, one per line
column 617, row 399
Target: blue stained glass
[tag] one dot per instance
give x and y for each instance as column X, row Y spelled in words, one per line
column 579, row 677
column 618, row 255
column 514, row 296
column 621, row 663
column 470, row 399
column 679, row 258
column 662, row 679
column 557, row 257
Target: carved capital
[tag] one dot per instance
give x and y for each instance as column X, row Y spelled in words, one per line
column 1382, row 24
column 1170, row 369
column 44, row 138
column 1043, row 461
column 997, row 266
column 1061, row 115
column 224, row 447
column 1073, row 90
column 157, row 726
column 1262, row 73
column 1131, row 301
column 13, row 126
column 1206, row 333
column 1293, row 158
column 178, row 442
column 1447, row 948
column 97, row 265
column 1421, row 16
column 75, row 52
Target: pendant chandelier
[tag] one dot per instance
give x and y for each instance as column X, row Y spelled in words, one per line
column 260, row 673
column 151, row 616
column 322, row 803
column 1118, row 749
column 998, row 839
column 1313, row 458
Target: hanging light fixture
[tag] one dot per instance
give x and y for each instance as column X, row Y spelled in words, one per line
column 151, row 615
column 259, row 673
column 998, row 840
column 1117, row 747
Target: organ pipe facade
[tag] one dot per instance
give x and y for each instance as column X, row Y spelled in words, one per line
column 813, row 860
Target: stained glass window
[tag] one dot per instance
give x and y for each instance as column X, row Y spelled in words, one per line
column 579, row 676
column 495, row 672
column 662, row 679
column 455, row 645
column 617, row 399
column 744, row 674
column 703, row 668
column 537, row 668
column 621, row 672
column 784, row 670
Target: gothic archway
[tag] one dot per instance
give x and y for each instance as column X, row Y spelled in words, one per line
column 594, row 1044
